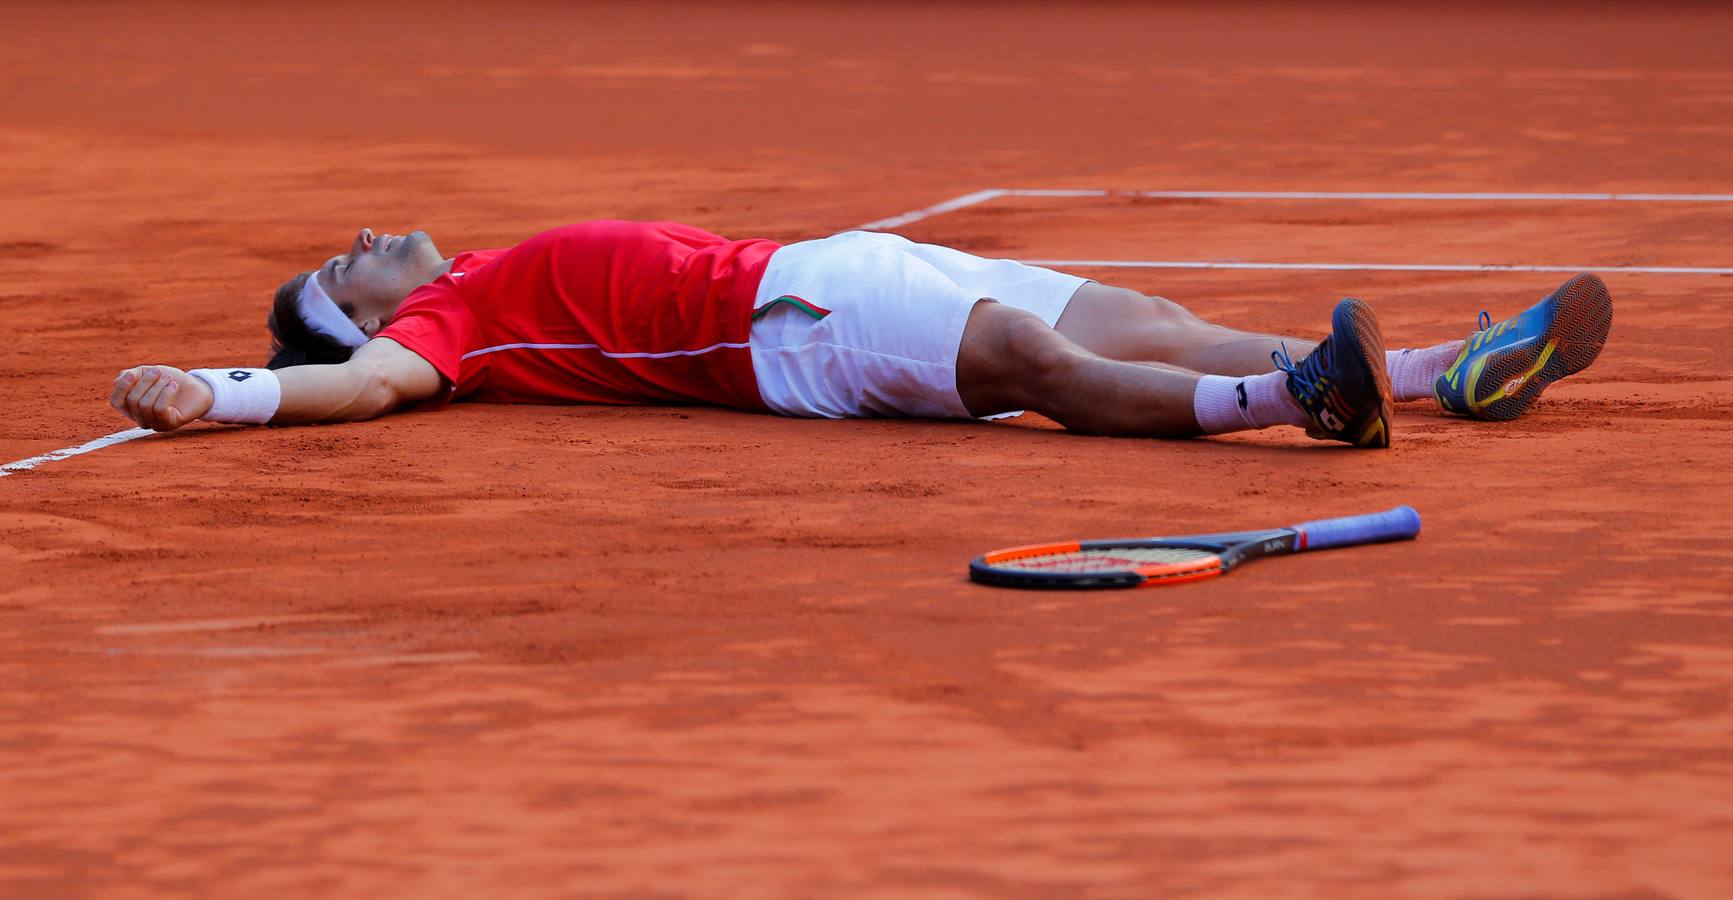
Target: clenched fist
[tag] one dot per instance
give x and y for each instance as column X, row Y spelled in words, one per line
column 160, row 397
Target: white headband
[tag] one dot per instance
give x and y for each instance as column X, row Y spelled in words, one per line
column 320, row 313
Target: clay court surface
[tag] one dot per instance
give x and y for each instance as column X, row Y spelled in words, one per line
column 542, row 651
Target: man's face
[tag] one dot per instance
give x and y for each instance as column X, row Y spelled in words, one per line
column 370, row 281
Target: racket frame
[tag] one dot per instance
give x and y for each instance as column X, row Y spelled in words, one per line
column 1222, row 551
column 1226, row 550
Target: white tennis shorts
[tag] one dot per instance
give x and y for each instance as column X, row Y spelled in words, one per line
column 868, row 324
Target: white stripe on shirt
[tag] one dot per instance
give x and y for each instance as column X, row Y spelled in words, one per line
column 607, row 353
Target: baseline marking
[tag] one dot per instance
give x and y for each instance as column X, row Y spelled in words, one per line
column 119, row 437
column 1369, row 267
column 979, row 197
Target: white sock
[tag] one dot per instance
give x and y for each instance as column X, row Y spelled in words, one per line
column 1224, row 404
column 1412, row 372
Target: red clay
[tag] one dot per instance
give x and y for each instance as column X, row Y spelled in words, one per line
column 536, row 651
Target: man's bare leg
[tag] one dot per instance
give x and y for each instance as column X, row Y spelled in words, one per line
column 1011, row 360
column 1123, row 324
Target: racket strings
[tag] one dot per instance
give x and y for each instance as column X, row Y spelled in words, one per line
column 1115, row 559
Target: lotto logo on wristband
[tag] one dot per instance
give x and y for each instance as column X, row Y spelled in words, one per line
column 241, row 395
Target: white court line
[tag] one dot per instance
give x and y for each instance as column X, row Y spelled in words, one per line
column 1379, row 195
column 979, row 197
column 1368, row 267
column 119, row 437
column 954, row 203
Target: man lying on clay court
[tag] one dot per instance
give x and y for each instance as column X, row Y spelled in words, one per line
column 859, row 324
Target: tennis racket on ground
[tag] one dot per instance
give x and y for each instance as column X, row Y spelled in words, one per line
column 1144, row 562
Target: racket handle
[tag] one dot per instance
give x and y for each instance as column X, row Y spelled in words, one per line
column 1397, row 524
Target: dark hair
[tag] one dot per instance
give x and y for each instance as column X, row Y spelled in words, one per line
column 292, row 342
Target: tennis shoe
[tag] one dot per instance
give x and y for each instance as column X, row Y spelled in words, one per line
column 1502, row 368
column 1342, row 385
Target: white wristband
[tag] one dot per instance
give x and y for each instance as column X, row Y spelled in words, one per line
column 249, row 396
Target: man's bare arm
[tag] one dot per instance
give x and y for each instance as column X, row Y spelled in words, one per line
column 380, row 377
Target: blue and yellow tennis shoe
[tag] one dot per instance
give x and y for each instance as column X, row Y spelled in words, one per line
column 1343, row 385
column 1504, row 367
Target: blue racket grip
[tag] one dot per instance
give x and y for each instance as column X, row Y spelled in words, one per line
column 1397, row 524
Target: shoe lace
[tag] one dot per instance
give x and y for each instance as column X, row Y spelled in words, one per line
column 1483, row 326
column 1309, row 372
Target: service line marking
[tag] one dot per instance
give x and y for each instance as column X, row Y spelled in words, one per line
column 213, row 652
column 119, row 437
column 409, row 659
column 979, row 197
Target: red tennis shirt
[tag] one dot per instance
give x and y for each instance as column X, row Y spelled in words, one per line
column 596, row 312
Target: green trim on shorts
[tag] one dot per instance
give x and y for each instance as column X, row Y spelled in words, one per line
column 805, row 306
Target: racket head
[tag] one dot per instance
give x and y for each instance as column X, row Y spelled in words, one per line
column 1101, row 564
column 1126, row 562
